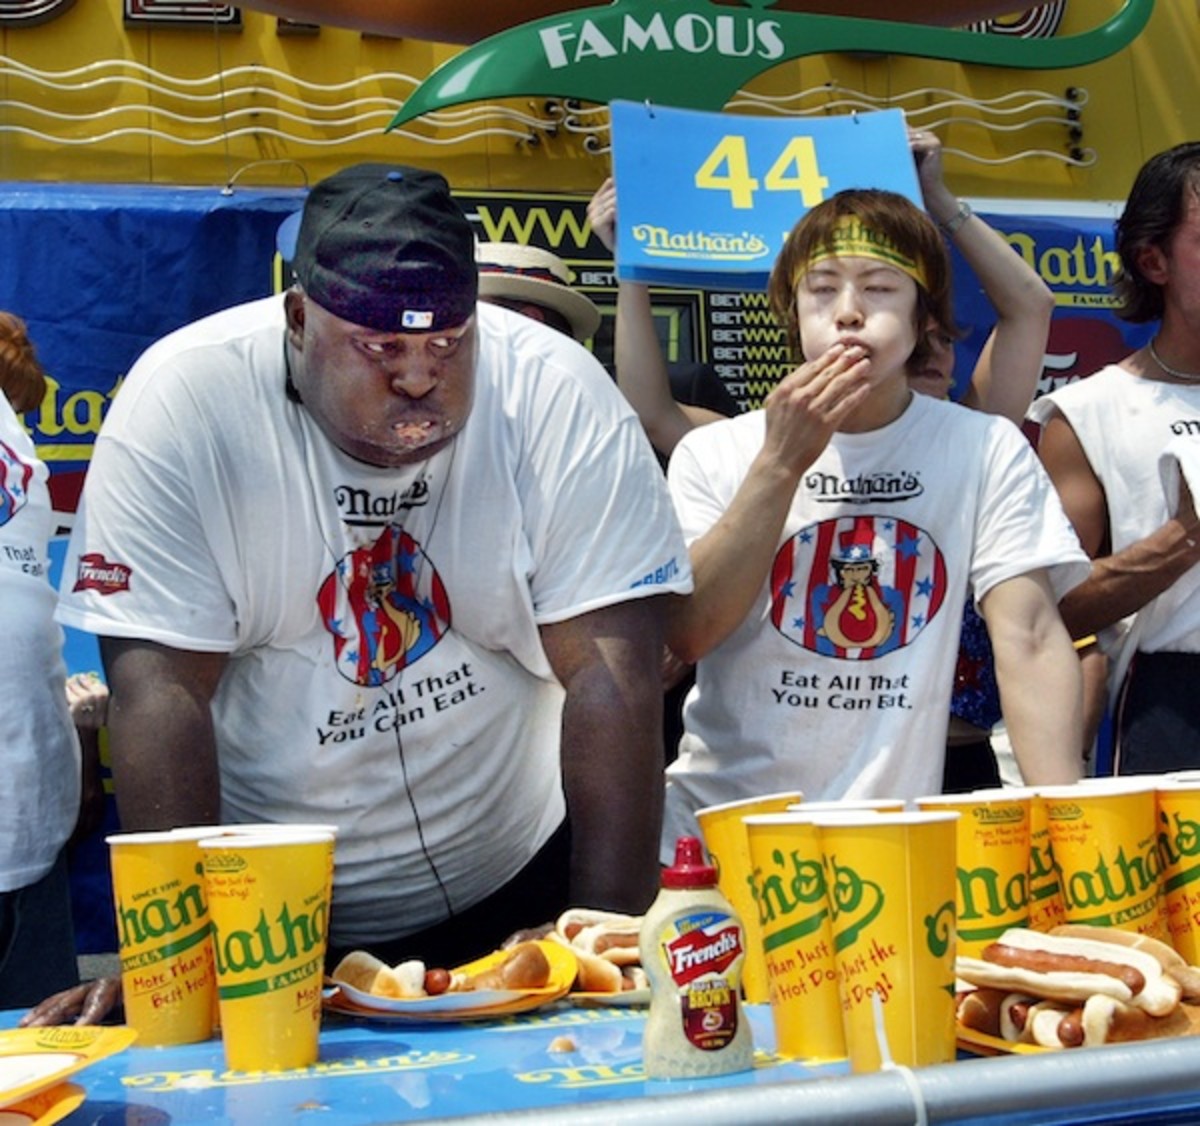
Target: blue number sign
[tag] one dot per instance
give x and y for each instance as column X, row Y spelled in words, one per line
column 707, row 199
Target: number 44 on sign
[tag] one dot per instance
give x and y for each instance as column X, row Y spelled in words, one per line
column 707, row 199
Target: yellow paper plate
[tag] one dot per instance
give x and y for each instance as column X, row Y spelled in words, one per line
column 464, row 1005
column 36, row 1059
column 972, row 1040
column 44, row 1108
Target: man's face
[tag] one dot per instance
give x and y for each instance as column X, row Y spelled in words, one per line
column 385, row 398
column 1181, row 264
column 935, row 375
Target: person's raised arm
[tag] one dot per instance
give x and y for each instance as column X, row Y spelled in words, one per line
column 1041, row 686
column 612, row 757
column 640, row 366
column 730, row 561
column 1006, row 373
column 1120, row 584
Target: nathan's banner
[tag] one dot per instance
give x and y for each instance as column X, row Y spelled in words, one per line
column 707, row 199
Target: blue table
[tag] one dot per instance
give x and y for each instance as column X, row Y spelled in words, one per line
column 373, row 1073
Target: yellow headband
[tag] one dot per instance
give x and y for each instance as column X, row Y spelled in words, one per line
column 850, row 239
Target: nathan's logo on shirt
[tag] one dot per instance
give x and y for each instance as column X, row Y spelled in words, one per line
column 358, row 506
column 98, row 574
column 829, row 488
column 15, row 475
column 857, row 587
column 385, row 606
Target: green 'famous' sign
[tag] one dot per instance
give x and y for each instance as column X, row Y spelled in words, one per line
column 697, row 54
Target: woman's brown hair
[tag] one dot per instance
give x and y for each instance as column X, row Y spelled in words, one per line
column 21, row 376
column 894, row 216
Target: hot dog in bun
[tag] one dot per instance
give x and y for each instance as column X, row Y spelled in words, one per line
column 1071, row 969
column 1100, row 1020
column 1172, row 962
column 606, row 934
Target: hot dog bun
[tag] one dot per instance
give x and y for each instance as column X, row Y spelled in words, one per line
column 1172, row 962
column 1103, row 1020
column 1014, row 1017
column 980, row 1009
column 365, row 972
column 1060, row 968
column 526, row 967
column 595, row 974
column 606, row 934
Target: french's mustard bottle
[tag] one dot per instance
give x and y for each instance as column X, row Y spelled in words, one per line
column 693, row 947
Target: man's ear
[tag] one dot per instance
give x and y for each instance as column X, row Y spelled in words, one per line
column 294, row 310
column 1151, row 262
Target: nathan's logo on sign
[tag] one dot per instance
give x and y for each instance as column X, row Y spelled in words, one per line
column 98, row 574
column 705, row 950
column 659, row 242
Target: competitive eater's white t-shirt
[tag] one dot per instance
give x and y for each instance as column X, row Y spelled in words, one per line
column 386, row 672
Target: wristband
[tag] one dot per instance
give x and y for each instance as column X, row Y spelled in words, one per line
column 963, row 213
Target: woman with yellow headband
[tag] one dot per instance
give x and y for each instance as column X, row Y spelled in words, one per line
column 836, row 534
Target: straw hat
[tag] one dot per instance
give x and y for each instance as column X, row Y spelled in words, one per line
column 515, row 272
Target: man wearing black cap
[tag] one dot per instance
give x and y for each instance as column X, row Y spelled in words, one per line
column 364, row 554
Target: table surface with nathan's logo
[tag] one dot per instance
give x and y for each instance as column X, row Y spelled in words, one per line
column 375, row 1071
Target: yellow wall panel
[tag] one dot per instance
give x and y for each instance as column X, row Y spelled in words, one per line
column 265, row 109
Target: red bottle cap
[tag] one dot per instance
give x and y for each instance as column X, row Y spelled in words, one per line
column 690, row 869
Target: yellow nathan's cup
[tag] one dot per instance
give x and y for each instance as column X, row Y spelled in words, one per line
column 725, row 839
column 1046, row 907
column 797, row 935
column 892, row 885
column 269, row 897
column 850, row 805
column 992, row 846
column 1179, row 839
column 167, row 975
column 1104, row 835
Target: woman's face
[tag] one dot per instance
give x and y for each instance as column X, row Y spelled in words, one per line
column 862, row 301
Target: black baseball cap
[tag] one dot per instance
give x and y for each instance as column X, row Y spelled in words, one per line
column 387, row 247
